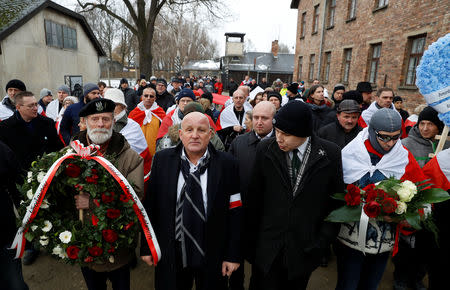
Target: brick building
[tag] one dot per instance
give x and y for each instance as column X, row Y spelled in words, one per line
column 381, row 41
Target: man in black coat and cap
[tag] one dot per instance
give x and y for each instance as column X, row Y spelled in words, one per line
column 288, row 199
column 163, row 98
column 131, row 98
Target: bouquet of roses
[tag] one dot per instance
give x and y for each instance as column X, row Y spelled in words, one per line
column 397, row 199
column 56, row 227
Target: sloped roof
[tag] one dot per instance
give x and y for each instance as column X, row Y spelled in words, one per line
column 15, row 13
column 283, row 63
column 199, row 65
column 294, row 4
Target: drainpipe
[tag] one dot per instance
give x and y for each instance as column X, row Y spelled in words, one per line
column 322, row 39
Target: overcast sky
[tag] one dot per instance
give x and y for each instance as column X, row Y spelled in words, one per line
column 261, row 20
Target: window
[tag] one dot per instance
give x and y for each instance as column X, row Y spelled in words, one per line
column 326, row 67
column 351, row 10
column 300, row 67
column 381, row 3
column 311, row 67
column 374, row 62
column 315, row 27
column 416, row 48
column 331, row 13
column 303, row 25
column 346, row 64
column 60, row 35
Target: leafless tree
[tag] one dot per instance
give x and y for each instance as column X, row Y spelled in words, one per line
column 284, row 48
column 143, row 14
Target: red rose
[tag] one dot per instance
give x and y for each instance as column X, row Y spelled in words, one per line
column 72, row 252
column 72, row 170
column 110, row 236
column 389, row 205
column 88, row 259
column 128, row 226
column 124, row 198
column 79, row 187
column 353, row 200
column 111, row 250
column 369, row 187
column 112, row 213
column 95, row 251
column 90, row 179
column 97, row 203
column 353, row 189
column 372, row 209
column 94, row 171
column 371, row 195
column 108, row 198
column 94, row 220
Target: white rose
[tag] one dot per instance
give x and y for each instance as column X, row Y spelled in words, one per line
column 404, row 194
column 40, row 176
column 30, row 176
column 65, row 237
column 47, row 226
column 57, row 250
column 45, row 204
column 401, row 207
column 111, row 259
column 33, row 228
column 43, row 240
column 30, row 194
column 63, row 255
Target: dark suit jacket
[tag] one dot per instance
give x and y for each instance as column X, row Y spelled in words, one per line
column 223, row 226
column 290, row 225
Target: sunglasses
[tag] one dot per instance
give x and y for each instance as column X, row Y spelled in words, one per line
column 387, row 138
column 148, row 96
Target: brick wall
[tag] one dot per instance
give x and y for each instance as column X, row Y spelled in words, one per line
column 392, row 25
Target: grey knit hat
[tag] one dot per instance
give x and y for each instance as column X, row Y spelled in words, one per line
column 65, row 89
column 384, row 119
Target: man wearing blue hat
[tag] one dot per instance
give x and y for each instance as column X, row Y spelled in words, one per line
column 69, row 123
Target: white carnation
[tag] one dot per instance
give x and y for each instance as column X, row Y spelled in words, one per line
column 65, row 237
column 30, row 176
column 47, row 226
column 45, row 204
column 33, row 228
column 57, row 251
column 43, row 240
column 30, row 194
column 111, row 259
column 401, row 207
column 40, row 176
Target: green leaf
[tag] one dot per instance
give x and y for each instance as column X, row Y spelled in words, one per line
column 434, row 195
column 339, row 196
column 413, row 219
column 29, row 236
column 345, row 214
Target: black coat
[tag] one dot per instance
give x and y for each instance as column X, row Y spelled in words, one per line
column 334, row 132
column 131, row 99
column 320, row 114
column 288, row 225
column 223, row 226
column 9, row 176
column 29, row 140
column 165, row 100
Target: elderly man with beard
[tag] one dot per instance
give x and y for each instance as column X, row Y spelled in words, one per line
column 98, row 117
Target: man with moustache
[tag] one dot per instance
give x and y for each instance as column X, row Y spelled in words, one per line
column 289, row 197
column 98, row 117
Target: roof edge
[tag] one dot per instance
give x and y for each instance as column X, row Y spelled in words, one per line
column 294, row 4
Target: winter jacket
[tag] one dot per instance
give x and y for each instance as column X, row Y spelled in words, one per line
column 7, row 108
column 70, row 120
column 165, row 100
column 131, row 165
column 31, row 139
column 131, row 99
column 319, row 115
column 334, row 132
column 420, row 147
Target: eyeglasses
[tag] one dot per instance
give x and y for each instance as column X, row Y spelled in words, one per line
column 31, row 106
column 148, row 96
column 387, row 138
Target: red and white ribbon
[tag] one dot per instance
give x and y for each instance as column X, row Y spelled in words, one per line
column 86, row 152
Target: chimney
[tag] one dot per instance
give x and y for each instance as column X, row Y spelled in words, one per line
column 275, row 48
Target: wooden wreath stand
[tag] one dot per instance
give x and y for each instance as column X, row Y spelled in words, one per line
column 80, row 215
column 442, row 139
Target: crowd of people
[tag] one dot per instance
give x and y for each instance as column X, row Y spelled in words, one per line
column 249, row 180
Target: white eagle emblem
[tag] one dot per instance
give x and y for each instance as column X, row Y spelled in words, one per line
column 99, row 106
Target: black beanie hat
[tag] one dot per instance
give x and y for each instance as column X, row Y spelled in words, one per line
column 208, row 96
column 338, row 87
column 142, row 77
column 397, row 98
column 353, row 95
column 124, row 81
column 294, row 118
column 274, row 94
column 429, row 114
column 293, row 88
column 364, row 87
column 17, row 84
